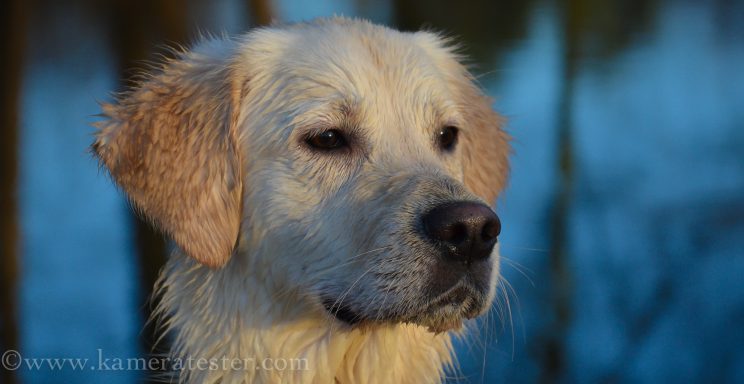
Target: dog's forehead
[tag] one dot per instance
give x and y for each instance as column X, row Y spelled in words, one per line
column 380, row 76
column 371, row 69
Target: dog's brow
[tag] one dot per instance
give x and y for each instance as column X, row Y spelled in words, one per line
column 318, row 81
column 346, row 109
column 349, row 110
column 339, row 113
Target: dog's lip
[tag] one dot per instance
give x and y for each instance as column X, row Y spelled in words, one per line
column 460, row 301
column 455, row 296
column 341, row 311
column 450, row 308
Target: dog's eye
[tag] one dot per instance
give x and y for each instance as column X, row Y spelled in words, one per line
column 327, row 140
column 447, row 138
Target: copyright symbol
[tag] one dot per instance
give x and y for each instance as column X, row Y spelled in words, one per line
column 11, row 360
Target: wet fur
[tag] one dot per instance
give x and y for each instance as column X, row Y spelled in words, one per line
column 210, row 150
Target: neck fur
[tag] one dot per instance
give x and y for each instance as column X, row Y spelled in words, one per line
column 227, row 319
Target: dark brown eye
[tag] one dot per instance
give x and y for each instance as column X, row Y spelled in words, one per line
column 327, row 140
column 447, row 138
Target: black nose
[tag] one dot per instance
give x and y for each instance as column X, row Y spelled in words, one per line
column 465, row 231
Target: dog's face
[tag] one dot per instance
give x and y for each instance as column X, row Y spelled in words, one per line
column 348, row 161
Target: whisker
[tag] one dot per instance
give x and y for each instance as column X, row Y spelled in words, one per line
column 502, row 286
column 541, row 250
column 348, row 290
column 521, row 269
column 487, row 326
column 352, row 259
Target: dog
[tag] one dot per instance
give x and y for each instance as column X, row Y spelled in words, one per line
column 328, row 187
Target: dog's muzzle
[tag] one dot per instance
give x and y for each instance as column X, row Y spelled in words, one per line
column 457, row 240
column 464, row 235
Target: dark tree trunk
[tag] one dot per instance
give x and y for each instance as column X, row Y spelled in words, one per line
column 561, row 279
column 262, row 12
column 13, row 24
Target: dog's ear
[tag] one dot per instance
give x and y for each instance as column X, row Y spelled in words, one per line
column 171, row 144
column 485, row 146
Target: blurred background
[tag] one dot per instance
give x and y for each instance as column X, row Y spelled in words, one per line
column 623, row 236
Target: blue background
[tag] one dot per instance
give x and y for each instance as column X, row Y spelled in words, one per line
column 623, row 223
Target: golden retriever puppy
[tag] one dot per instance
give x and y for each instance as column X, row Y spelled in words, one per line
column 328, row 186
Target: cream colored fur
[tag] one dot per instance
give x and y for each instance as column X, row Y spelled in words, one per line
column 211, row 150
column 214, row 318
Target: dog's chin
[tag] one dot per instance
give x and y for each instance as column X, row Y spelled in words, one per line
column 446, row 312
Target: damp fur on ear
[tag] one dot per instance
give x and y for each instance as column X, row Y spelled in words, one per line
column 171, row 144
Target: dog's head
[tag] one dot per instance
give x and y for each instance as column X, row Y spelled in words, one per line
column 345, row 160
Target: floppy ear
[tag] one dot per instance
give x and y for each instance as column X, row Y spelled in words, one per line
column 171, row 144
column 485, row 146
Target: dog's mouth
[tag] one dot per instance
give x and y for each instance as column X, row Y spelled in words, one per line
column 449, row 310
column 342, row 312
column 444, row 313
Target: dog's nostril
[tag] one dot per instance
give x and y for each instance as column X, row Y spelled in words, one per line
column 491, row 230
column 465, row 231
